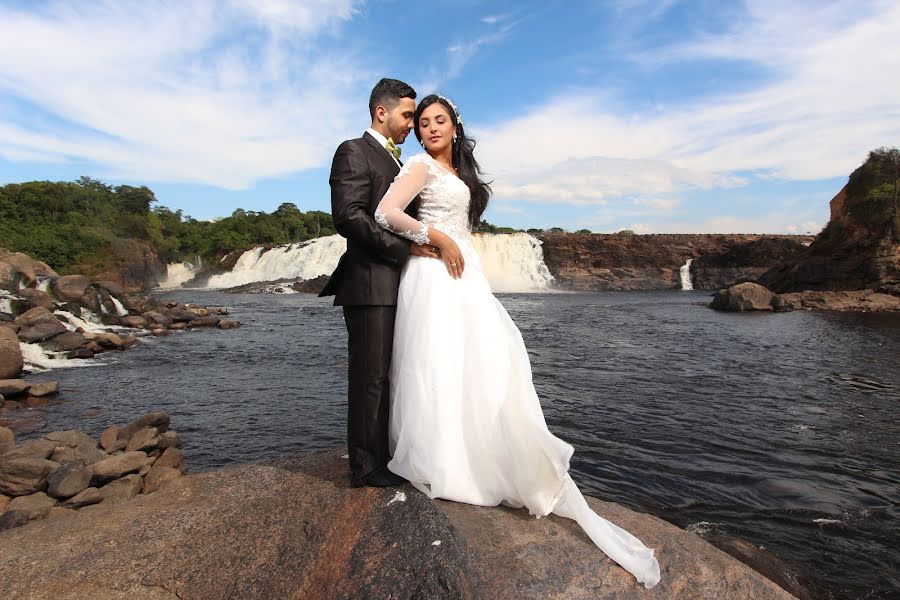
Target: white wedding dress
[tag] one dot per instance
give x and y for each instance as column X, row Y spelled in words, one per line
column 466, row 423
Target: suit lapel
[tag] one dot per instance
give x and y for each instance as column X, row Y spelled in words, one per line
column 391, row 169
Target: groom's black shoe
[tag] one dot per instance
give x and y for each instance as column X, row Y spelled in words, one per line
column 382, row 477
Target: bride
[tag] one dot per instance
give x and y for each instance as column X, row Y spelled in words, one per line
column 466, row 423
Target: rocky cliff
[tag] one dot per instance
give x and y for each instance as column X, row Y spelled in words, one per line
column 295, row 529
column 860, row 247
column 644, row 262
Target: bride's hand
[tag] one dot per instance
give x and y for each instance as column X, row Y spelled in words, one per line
column 450, row 252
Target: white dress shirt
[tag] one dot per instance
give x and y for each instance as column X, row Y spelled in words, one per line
column 383, row 141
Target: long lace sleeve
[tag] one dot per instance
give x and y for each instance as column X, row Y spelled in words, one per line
column 411, row 180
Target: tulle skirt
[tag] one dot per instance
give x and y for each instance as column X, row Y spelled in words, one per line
column 466, row 423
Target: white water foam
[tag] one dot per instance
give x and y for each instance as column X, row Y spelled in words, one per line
column 513, row 262
column 36, row 358
column 89, row 323
column 306, row 260
column 178, row 273
column 119, row 308
column 686, row 283
column 43, row 284
column 6, row 305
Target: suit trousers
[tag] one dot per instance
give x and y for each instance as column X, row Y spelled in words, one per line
column 370, row 342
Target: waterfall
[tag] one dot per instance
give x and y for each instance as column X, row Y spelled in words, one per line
column 119, row 308
column 513, row 262
column 89, row 323
column 39, row 359
column 306, row 260
column 686, row 283
column 178, row 273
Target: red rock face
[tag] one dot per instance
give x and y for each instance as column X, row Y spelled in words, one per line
column 646, row 262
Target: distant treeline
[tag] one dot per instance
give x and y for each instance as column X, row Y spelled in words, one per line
column 75, row 223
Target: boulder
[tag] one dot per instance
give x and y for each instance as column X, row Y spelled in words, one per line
column 85, row 454
column 37, row 298
column 117, row 466
column 157, row 476
column 7, row 440
column 129, row 341
column 14, row 387
column 64, row 342
column 169, row 439
column 109, row 435
column 178, row 326
column 37, row 325
column 172, row 457
column 82, row 353
column 35, row 505
column 11, row 360
column 743, row 297
column 71, row 288
column 22, row 476
column 9, row 277
column 69, row 480
column 26, row 267
column 156, row 318
column 228, row 324
column 158, row 419
column 191, row 538
column 71, row 438
column 143, row 439
column 90, row 495
column 109, row 340
column 32, row 449
column 45, row 388
column 181, row 315
column 134, row 322
column 110, row 287
column 122, row 489
column 210, row 321
column 71, row 308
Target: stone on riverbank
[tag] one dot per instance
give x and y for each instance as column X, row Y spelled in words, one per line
column 192, row 538
column 46, row 388
column 69, row 480
column 35, row 505
column 23, row 476
column 122, row 489
column 742, row 297
column 71, row 288
column 118, row 466
column 11, row 360
column 86, row 497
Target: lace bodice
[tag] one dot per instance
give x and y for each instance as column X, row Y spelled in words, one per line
column 443, row 201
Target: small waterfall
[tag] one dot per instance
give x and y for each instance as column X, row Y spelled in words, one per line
column 89, row 323
column 513, row 262
column 306, row 260
column 43, row 284
column 36, row 358
column 178, row 273
column 6, row 305
column 686, row 283
column 119, row 308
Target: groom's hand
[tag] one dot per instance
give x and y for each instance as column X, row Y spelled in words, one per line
column 426, row 250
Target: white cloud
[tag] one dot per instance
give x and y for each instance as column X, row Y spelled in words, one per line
column 830, row 98
column 163, row 93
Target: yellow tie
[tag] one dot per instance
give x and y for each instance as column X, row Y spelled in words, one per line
column 393, row 148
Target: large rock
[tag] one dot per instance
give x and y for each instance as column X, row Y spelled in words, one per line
column 118, row 466
column 7, row 440
column 69, row 480
column 71, row 438
column 125, row 488
column 13, row 387
column 158, row 419
column 156, row 318
column 65, row 342
column 11, row 360
column 85, row 454
column 110, row 287
column 38, row 324
column 143, row 439
column 181, row 315
column 856, row 300
column 743, row 297
column 88, row 496
column 26, row 268
column 71, row 288
column 44, row 388
column 9, row 277
column 33, row 449
column 35, row 505
column 158, row 476
column 192, row 537
column 37, row 298
column 22, row 476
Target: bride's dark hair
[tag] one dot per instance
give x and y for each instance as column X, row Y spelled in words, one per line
column 463, row 157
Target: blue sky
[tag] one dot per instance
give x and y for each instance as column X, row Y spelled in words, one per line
column 668, row 116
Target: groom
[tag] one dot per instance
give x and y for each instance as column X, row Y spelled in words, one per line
column 367, row 278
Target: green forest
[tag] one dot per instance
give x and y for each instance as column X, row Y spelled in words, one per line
column 73, row 225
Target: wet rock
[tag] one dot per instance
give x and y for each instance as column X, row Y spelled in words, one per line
column 22, row 476
column 69, row 480
column 157, row 476
column 122, row 489
column 767, row 564
column 181, row 315
column 64, row 342
column 156, row 318
column 743, row 297
column 45, row 388
column 117, row 466
column 210, row 321
column 37, row 298
column 134, row 322
column 228, row 324
column 71, row 308
column 143, row 439
column 111, row 287
column 129, row 341
column 37, row 325
column 178, row 326
column 14, row 387
column 88, row 496
column 855, row 300
column 11, row 360
column 82, row 353
column 71, row 288
column 109, row 340
column 32, row 449
column 160, row 332
column 158, row 419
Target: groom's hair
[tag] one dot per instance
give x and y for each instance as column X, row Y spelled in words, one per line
column 387, row 93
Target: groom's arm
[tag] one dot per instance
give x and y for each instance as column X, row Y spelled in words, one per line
column 351, row 190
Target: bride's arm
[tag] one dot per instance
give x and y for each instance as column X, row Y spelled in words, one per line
column 411, row 180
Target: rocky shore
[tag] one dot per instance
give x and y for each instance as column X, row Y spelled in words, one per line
column 64, row 471
column 293, row 528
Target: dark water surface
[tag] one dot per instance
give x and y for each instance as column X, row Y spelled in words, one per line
column 781, row 429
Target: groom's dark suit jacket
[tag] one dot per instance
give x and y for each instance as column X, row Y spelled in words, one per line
column 369, row 271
